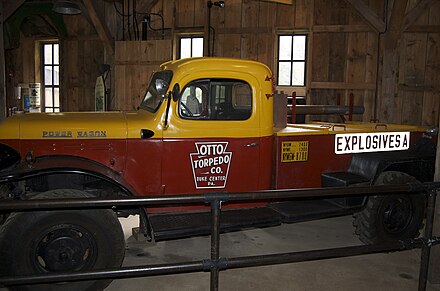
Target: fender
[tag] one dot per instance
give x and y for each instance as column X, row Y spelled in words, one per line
column 418, row 162
column 8, row 156
column 64, row 165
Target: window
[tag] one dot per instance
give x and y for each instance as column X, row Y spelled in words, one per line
column 51, row 77
column 190, row 47
column 292, row 59
column 216, row 99
column 153, row 98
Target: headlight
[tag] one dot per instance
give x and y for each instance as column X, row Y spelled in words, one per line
column 8, row 156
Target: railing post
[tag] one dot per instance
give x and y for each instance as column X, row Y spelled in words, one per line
column 426, row 249
column 215, row 243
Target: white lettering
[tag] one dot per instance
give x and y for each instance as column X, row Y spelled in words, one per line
column 371, row 142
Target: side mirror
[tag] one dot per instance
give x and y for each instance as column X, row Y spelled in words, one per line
column 176, row 92
column 161, row 87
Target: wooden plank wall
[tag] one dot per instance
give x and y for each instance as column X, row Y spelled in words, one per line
column 419, row 73
column 343, row 53
column 81, row 54
column 20, row 69
column 134, row 63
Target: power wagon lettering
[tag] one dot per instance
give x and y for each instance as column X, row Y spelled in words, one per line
column 210, row 165
column 371, row 142
column 79, row 134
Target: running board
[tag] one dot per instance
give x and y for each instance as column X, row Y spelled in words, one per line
column 299, row 211
column 178, row 225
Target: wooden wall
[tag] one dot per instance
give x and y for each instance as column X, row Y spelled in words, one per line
column 345, row 53
column 419, row 73
column 82, row 53
column 134, row 63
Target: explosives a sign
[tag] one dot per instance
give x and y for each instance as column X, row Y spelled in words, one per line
column 371, row 142
column 210, row 165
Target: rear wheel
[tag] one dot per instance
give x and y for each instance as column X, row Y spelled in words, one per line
column 391, row 217
column 61, row 241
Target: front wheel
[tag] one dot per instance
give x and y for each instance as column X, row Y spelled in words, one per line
column 44, row 242
column 390, row 217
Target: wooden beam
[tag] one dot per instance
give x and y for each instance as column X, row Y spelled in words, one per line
column 100, row 26
column 146, row 6
column 369, row 15
column 342, row 28
column 9, row 7
column 2, row 67
column 290, row 2
column 390, row 104
column 414, row 14
column 423, row 29
column 343, row 86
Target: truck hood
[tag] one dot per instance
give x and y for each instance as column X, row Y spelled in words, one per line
column 77, row 125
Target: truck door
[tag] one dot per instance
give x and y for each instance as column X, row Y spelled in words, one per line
column 212, row 142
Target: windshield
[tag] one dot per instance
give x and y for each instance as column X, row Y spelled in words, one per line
column 152, row 98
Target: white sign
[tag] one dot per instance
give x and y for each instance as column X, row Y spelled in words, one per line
column 371, row 142
column 210, row 165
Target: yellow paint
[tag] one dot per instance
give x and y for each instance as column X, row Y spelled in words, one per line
column 119, row 125
column 320, row 128
column 254, row 73
column 294, row 151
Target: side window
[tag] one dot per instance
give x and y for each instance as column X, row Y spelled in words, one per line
column 216, row 99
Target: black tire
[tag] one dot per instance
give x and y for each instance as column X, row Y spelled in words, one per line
column 61, row 241
column 391, row 217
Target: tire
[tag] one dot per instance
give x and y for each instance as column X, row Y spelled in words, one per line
column 391, row 217
column 61, row 241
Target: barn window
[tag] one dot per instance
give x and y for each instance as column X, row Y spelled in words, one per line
column 190, row 47
column 292, row 59
column 51, row 76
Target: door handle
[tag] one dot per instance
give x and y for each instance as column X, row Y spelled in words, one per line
column 250, row 145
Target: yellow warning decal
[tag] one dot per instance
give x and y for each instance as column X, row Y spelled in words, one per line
column 294, row 151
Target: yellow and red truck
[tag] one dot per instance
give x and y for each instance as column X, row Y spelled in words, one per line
column 204, row 125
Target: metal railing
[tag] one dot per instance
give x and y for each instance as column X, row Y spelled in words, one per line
column 215, row 263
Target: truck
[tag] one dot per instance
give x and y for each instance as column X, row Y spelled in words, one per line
column 204, row 125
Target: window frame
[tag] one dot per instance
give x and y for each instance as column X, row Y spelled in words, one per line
column 191, row 37
column 214, row 99
column 291, row 60
column 53, row 87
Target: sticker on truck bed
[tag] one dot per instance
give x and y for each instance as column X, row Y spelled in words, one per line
column 371, row 142
column 294, row 151
column 210, row 165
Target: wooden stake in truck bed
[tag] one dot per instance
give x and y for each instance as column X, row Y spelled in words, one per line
column 204, row 125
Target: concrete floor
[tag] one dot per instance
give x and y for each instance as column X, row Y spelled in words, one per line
column 396, row 271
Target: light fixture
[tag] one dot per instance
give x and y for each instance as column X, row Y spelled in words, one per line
column 67, row 7
column 220, row 4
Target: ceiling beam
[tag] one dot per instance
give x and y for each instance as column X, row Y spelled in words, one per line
column 369, row 15
column 414, row 14
column 9, row 7
column 100, row 26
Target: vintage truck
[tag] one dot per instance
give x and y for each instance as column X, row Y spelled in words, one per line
column 204, row 125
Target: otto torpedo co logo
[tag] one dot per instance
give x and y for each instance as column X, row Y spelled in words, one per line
column 210, row 164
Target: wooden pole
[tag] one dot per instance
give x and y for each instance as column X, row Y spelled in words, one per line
column 2, row 66
column 389, row 109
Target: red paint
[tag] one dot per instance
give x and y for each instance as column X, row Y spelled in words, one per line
column 307, row 174
column 108, row 152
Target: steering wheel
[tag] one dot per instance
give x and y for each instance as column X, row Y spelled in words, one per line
column 188, row 112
